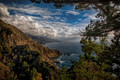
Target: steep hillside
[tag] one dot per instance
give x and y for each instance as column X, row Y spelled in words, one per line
column 14, row 37
column 23, row 58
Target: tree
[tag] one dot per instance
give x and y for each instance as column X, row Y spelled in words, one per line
column 109, row 20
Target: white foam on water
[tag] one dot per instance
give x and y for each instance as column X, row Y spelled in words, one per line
column 62, row 61
column 74, row 54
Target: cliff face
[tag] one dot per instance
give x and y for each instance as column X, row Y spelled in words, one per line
column 14, row 37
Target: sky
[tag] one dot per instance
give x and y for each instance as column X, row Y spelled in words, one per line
column 44, row 19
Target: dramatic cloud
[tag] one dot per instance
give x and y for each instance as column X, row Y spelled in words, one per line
column 45, row 13
column 73, row 12
column 3, row 11
column 26, row 23
column 37, row 25
column 44, row 21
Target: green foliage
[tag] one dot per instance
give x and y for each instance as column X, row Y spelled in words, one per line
column 5, row 72
column 4, row 48
column 4, row 32
column 88, row 70
column 25, row 64
column 106, row 56
column 33, row 73
column 91, row 67
column 64, row 75
column 83, row 4
column 12, row 64
column 109, row 55
column 29, row 65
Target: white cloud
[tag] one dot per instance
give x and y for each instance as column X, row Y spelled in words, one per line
column 84, row 22
column 47, row 17
column 111, row 34
column 3, row 11
column 73, row 12
column 43, row 21
column 33, row 10
column 26, row 23
column 79, row 19
column 36, row 25
column 91, row 15
column 57, row 17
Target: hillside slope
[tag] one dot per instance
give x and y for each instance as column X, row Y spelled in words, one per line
column 25, row 58
column 16, row 37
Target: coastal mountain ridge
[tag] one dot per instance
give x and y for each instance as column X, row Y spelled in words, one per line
column 42, row 40
column 17, row 37
column 21, row 58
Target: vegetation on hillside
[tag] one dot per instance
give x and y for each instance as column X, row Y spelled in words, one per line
column 99, row 62
column 20, row 62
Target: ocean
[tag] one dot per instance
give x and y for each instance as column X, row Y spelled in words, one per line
column 70, row 48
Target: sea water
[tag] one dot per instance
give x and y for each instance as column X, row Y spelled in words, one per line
column 71, row 49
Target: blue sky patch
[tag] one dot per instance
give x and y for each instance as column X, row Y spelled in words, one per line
column 46, row 20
